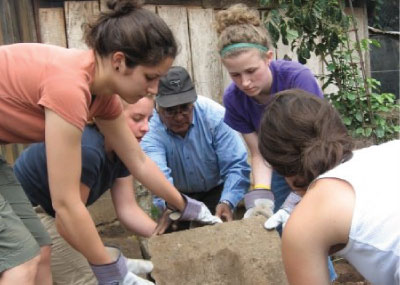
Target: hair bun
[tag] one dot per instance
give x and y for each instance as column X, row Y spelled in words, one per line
column 238, row 14
column 123, row 7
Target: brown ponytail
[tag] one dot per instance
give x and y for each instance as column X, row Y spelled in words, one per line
column 140, row 34
column 302, row 135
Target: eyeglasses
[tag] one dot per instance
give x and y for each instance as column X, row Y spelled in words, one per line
column 183, row 109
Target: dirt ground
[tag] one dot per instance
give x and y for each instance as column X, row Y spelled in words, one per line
column 114, row 234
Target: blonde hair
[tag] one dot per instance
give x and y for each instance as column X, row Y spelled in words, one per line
column 240, row 24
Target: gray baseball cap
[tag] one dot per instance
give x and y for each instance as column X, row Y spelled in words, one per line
column 175, row 88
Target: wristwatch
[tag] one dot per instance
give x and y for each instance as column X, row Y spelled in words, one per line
column 227, row 203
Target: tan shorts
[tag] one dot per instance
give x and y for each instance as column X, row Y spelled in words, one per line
column 68, row 266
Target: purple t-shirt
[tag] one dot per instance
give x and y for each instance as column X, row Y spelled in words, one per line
column 244, row 114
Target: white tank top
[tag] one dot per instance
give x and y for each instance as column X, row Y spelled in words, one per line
column 374, row 240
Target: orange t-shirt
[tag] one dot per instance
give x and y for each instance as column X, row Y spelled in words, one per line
column 34, row 76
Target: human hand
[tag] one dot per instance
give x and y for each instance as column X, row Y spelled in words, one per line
column 224, row 212
column 283, row 214
column 195, row 211
column 259, row 202
column 164, row 222
column 118, row 272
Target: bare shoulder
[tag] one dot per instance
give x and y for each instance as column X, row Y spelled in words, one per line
column 324, row 214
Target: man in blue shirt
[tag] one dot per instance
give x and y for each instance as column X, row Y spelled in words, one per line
column 198, row 153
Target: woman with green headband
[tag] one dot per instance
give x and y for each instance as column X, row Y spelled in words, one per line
column 244, row 48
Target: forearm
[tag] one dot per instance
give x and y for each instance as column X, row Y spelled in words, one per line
column 158, row 184
column 262, row 174
column 261, row 171
column 235, row 187
column 137, row 221
column 76, row 226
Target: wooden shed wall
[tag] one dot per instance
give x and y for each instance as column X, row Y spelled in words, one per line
column 26, row 21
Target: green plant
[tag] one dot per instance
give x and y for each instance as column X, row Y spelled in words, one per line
column 322, row 27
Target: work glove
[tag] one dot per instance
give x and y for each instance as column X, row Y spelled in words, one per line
column 195, row 211
column 283, row 214
column 259, row 202
column 116, row 273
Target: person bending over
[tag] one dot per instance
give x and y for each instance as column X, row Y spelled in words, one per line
column 350, row 205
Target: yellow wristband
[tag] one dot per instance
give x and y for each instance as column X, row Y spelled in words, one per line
column 262, row 186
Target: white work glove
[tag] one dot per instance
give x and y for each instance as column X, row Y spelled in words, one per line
column 259, row 202
column 276, row 219
column 283, row 214
column 118, row 272
column 195, row 211
column 139, row 266
column 132, row 279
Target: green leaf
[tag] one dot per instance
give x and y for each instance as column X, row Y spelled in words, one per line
column 273, row 31
column 292, row 34
column 331, row 67
column 334, row 41
column 375, row 43
column 351, row 96
column 359, row 116
column 380, row 132
column 368, row 132
column 347, row 121
column 360, row 131
column 301, row 59
column 297, row 3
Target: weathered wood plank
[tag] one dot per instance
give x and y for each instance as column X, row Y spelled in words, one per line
column 103, row 6
column 77, row 14
column 26, row 20
column 52, row 26
column 176, row 19
column 223, row 4
column 151, row 8
column 216, row 4
column 8, row 24
column 175, row 2
column 207, row 70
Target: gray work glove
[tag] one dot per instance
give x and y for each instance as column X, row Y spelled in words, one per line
column 283, row 214
column 259, row 202
column 117, row 272
column 195, row 211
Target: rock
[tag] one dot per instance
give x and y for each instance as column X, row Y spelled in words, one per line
column 239, row 252
column 102, row 211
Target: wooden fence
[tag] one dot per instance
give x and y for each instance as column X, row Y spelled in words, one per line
column 26, row 21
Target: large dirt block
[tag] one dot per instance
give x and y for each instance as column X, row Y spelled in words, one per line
column 240, row 252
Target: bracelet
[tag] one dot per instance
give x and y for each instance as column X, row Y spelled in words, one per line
column 262, row 186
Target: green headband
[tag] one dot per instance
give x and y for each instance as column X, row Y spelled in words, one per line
column 241, row 45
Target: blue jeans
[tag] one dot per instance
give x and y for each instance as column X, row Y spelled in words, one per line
column 281, row 190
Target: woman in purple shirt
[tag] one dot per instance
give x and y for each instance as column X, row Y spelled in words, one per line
column 245, row 53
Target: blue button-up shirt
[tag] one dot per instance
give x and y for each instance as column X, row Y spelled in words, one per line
column 211, row 153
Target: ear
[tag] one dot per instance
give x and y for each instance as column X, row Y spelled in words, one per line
column 269, row 56
column 118, row 62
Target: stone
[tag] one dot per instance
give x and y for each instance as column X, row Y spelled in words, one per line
column 102, row 211
column 239, row 252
